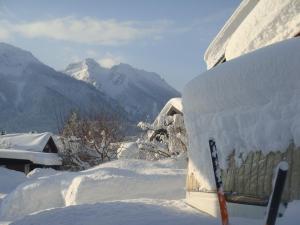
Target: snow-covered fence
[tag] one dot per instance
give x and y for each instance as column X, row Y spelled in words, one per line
column 253, row 177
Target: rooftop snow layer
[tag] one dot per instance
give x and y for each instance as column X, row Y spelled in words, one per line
column 250, row 103
column 25, row 141
column 253, row 25
column 269, row 22
column 49, row 159
column 216, row 50
column 172, row 103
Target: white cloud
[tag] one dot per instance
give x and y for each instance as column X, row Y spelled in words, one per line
column 87, row 30
column 109, row 60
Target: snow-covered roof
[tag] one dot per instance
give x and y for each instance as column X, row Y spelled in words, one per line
column 253, row 25
column 25, row 141
column 216, row 50
column 49, row 159
column 173, row 103
column 248, row 104
column 269, row 22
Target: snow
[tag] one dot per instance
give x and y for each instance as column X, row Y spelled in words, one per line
column 251, row 26
column 269, row 22
column 172, row 103
column 128, row 150
column 247, row 104
column 117, row 180
column 14, row 60
column 10, row 179
column 41, row 198
column 28, row 146
column 49, row 159
column 25, row 141
column 136, row 212
column 141, row 212
column 216, row 50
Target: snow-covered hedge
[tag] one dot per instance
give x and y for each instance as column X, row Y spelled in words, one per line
column 250, row 103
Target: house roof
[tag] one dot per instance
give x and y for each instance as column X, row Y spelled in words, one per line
column 49, row 159
column 254, row 24
column 34, row 142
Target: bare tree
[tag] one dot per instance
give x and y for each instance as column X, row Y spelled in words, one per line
column 90, row 141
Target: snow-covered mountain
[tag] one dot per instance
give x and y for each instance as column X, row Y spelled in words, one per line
column 34, row 96
column 141, row 93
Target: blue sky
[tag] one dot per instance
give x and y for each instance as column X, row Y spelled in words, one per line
column 164, row 36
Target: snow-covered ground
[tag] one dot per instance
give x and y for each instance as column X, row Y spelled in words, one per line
column 127, row 192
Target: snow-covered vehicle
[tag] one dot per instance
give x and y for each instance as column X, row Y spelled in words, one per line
column 248, row 101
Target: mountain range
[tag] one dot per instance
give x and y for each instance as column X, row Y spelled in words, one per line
column 34, row 96
column 142, row 94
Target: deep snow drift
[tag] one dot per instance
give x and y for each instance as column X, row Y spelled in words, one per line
column 142, row 212
column 10, row 179
column 247, row 104
column 117, row 180
column 125, row 179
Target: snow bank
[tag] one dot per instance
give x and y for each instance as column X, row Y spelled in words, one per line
column 250, row 103
column 118, row 180
column 10, row 179
column 269, row 22
column 141, row 212
column 128, row 150
column 42, row 172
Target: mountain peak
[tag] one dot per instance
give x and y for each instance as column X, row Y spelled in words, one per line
column 14, row 60
column 91, row 62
